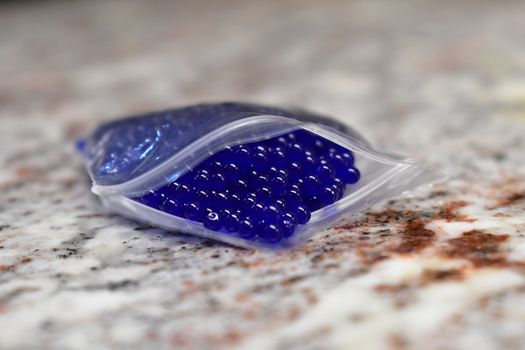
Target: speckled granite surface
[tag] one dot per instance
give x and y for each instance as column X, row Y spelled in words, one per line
column 442, row 269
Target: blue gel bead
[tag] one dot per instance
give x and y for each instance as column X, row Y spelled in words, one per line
column 313, row 203
column 338, row 160
column 312, row 184
column 259, row 148
column 272, row 213
column 218, row 182
column 303, row 214
column 295, row 171
column 260, row 181
column 281, row 204
column 224, row 155
column 213, row 221
column 201, row 181
column 292, row 137
column 278, row 156
column 349, row 158
column 260, row 161
column 309, row 164
column 235, row 200
column 242, row 155
column 183, row 193
column 231, row 171
column 247, row 229
column 296, row 152
column 325, row 172
column 151, row 199
column 215, row 166
column 327, row 196
column 232, row 222
column 193, row 211
column 257, row 210
column 290, row 216
column 293, row 197
column 173, row 207
column 351, row 175
column 272, row 233
column 240, row 187
column 202, row 197
column 281, row 141
column 173, row 187
column 278, row 185
column 263, row 194
column 219, row 200
column 287, row 228
column 249, row 201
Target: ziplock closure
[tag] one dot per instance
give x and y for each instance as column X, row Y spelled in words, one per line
column 238, row 132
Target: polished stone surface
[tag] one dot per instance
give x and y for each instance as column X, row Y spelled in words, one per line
column 443, row 268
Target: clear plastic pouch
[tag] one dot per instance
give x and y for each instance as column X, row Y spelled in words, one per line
column 131, row 159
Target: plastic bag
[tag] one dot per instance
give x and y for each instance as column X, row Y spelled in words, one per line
column 248, row 175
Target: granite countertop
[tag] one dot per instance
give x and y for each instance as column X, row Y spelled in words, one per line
column 443, row 268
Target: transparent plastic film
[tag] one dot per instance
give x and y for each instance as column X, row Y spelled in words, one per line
column 257, row 180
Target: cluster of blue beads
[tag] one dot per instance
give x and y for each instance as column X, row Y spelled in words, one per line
column 260, row 190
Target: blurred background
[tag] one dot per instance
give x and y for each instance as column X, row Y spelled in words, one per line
column 374, row 64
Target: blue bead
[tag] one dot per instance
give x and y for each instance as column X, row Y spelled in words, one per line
column 349, row 158
column 263, row 194
column 303, row 214
column 151, row 199
column 257, row 210
column 242, row 155
column 250, row 201
column 312, row 185
column 202, row 197
column 193, row 211
column 173, row 207
column 219, row 200
column 247, row 229
column 213, row 221
column 339, row 187
column 218, row 182
column 232, row 222
column 278, row 156
column 201, row 181
column 173, row 187
column 231, row 171
column 240, row 187
column 215, row 166
column 272, row 233
column 293, row 197
column 278, row 185
column 281, row 204
column 325, row 172
column 327, row 196
column 287, row 227
column 291, row 217
column 309, row 164
column 296, row 152
column 313, row 203
column 337, row 160
column 260, row 161
column 351, row 176
column 272, row 213
column 281, row 141
column 183, row 193
column 295, row 171
column 235, row 200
